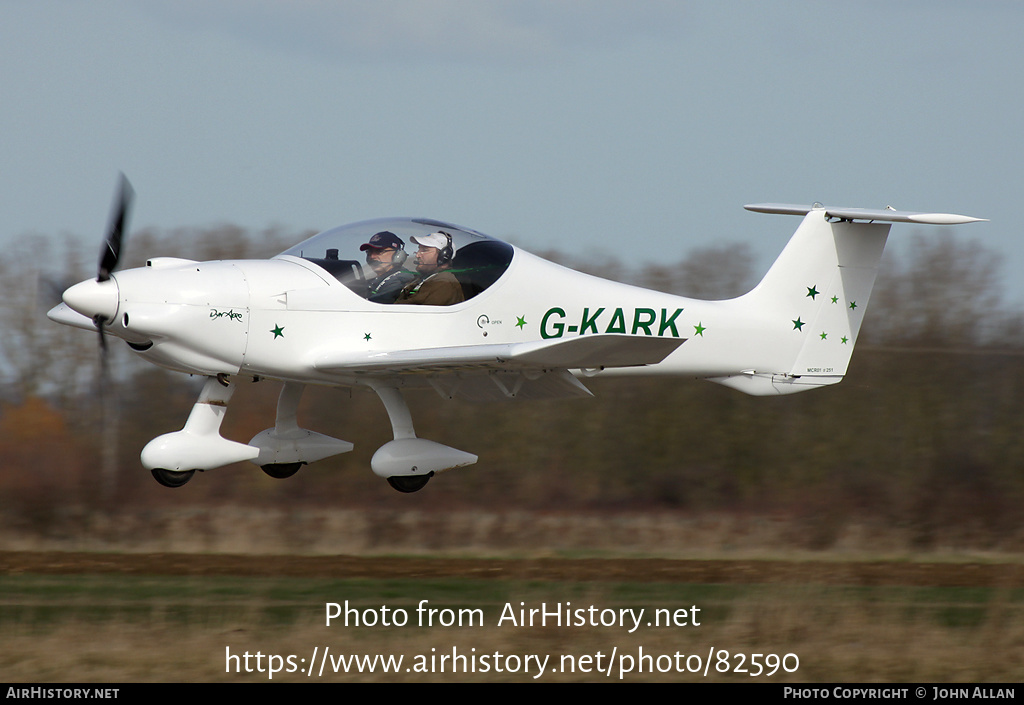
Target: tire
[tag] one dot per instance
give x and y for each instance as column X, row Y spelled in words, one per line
column 409, row 483
column 281, row 471
column 171, row 478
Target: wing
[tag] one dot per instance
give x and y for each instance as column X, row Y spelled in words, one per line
column 583, row 352
column 536, row 369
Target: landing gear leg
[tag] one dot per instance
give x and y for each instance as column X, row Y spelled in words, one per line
column 286, row 447
column 286, row 424
column 398, row 411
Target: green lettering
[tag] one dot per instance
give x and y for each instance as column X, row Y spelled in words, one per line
column 618, row 322
column 590, row 322
column 651, row 317
column 558, row 328
column 670, row 322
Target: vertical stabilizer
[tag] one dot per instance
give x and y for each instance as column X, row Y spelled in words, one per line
column 810, row 305
column 813, row 301
column 822, row 282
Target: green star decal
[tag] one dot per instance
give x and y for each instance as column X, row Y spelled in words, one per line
column 812, row 292
column 853, row 305
column 835, row 299
column 520, row 322
column 278, row 331
column 844, row 339
column 798, row 324
column 824, row 335
column 366, row 336
column 699, row 328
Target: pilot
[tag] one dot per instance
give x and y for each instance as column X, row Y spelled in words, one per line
column 436, row 285
column 385, row 253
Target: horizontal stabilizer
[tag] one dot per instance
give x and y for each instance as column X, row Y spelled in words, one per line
column 583, row 352
column 887, row 215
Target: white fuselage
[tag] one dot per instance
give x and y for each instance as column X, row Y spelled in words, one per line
column 274, row 318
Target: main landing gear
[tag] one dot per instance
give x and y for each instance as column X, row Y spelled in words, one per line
column 407, row 462
column 287, row 447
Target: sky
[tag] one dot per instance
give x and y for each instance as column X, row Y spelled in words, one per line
column 590, row 126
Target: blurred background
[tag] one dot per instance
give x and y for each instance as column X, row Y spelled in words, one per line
column 573, row 128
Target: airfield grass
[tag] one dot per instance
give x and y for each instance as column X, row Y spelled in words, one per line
column 118, row 628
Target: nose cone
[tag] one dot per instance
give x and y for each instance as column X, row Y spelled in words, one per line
column 92, row 298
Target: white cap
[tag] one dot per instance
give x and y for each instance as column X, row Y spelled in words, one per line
column 437, row 240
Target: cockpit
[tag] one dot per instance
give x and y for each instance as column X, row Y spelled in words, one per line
column 476, row 260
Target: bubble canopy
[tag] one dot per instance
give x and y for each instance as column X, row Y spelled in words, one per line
column 478, row 260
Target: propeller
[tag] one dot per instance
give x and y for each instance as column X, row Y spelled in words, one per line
column 111, row 252
column 98, row 299
column 110, row 255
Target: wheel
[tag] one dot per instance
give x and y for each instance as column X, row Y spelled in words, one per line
column 170, row 478
column 409, row 483
column 280, row 471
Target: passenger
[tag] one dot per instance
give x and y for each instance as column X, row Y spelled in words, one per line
column 436, row 285
column 385, row 253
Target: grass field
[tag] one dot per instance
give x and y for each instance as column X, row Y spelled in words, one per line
column 116, row 618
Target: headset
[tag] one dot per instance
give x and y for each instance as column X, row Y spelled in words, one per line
column 446, row 254
column 400, row 254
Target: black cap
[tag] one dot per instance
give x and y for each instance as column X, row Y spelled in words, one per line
column 383, row 240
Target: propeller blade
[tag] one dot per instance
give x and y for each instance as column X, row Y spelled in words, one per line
column 111, row 252
column 49, row 288
column 99, row 321
column 104, row 380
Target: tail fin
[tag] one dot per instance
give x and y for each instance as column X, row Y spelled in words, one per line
column 817, row 291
